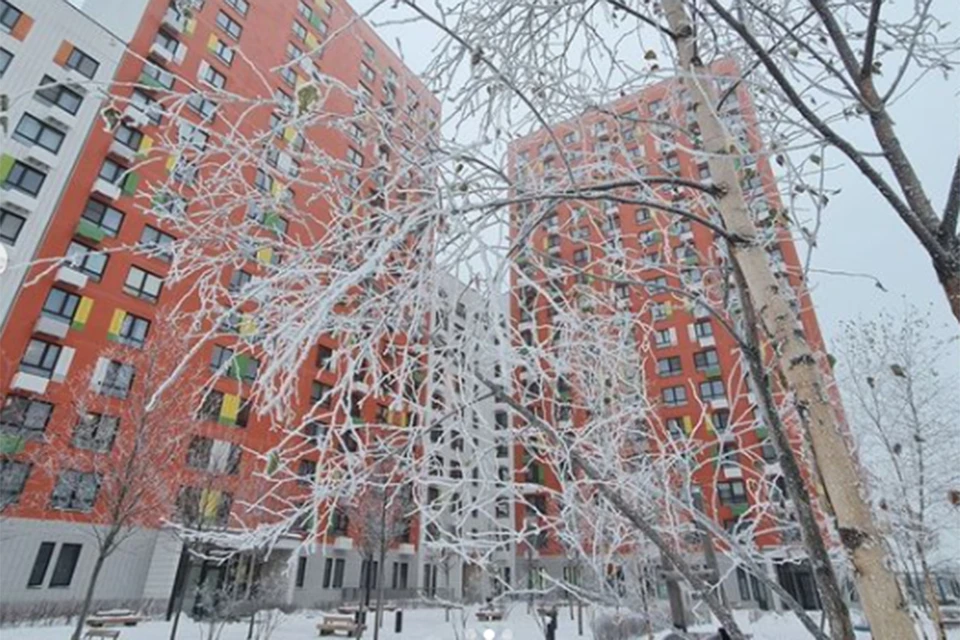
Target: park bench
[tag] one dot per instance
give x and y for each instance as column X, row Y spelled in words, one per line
column 490, row 615
column 114, row 617
column 103, row 634
column 332, row 623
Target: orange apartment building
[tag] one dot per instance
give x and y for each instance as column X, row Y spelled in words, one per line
column 87, row 308
column 693, row 376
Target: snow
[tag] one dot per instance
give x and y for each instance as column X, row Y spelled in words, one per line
column 424, row 624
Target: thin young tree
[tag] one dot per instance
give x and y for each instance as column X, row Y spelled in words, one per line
column 902, row 402
column 128, row 439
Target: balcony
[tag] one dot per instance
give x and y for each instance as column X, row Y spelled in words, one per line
column 174, row 20
column 49, row 326
column 136, row 116
column 122, row 152
column 89, row 230
column 407, row 549
column 38, row 155
column 54, row 114
column 706, row 341
column 29, row 382
column 106, row 189
column 343, row 543
column 719, row 403
column 732, row 472
column 17, row 200
column 70, row 276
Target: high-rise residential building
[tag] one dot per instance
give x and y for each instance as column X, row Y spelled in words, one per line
column 44, row 42
column 82, row 315
column 467, row 537
column 589, row 254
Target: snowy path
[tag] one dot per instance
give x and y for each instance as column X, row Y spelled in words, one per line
column 419, row 624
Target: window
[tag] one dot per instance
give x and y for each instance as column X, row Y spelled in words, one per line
column 663, row 338
column 368, row 51
column 305, row 11
column 33, row 131
column 57, row 94
column 220, row 358
column 158, row 243
column 25, row 178
column 210, row 408
column 703, row 329
column 111, row 171
column 66, row 565
column 581, row 256
column 166, row 42
column 95, row 431
column 501, row 421
column 712, row 390
column 242, row 6
column 263, row 181
column 133, row 330
column 82, row 63
column 143, row 284
column 333, row 569
column 10, row 226
column 212, row 77
column 354, row 157
column 239, row 279
column 9, row 15
column 229, row 25
column 203, row 106
column 147, row 105
column 306, row 471
column 128, row 137
column 293, row 51
column 675, row 396
column 13, row 478
column 25, row 414
column 117, row 379
column 721, row 420
column 706, row 359
column 157, row 76
column 86, row 260
column 5, row 59
column 40, row 564
column 367, row 73
column 105, row 217
column 731, row 492
column 288, row 75
column 299, row 31
column 40, row 358
column 61, row 305
column 222, row 50
column 74, row 491
column 669, row 366
column 301, row 571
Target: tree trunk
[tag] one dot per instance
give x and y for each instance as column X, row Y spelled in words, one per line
column 931, row 595
column 878, row 587
column 824, row 574
column 91, row 586
column 951, row 286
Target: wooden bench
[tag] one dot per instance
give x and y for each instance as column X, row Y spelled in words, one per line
column 112, row 634
column 331, row 624
column 490, row 615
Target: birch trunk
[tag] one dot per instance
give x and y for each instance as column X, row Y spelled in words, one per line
column 877, row 585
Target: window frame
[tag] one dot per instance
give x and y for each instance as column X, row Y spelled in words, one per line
column 49, row 86
column 112, row 375
column 89, row 253
column 78, row 58
column 228, row 23
column 20, row 221
column 42, row 128
column 140, row 291
column 25, row 170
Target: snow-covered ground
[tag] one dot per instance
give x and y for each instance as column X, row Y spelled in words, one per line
column 418, row 624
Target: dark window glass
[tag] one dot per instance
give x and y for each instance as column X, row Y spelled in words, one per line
column 84, row 64
column 66, row 565
column 23, row 177
column 11, row 225
column 40, row 564
column 59, row 95
column 86, row 260
column 32, row 131
column 104, row 216
column 61, row 304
